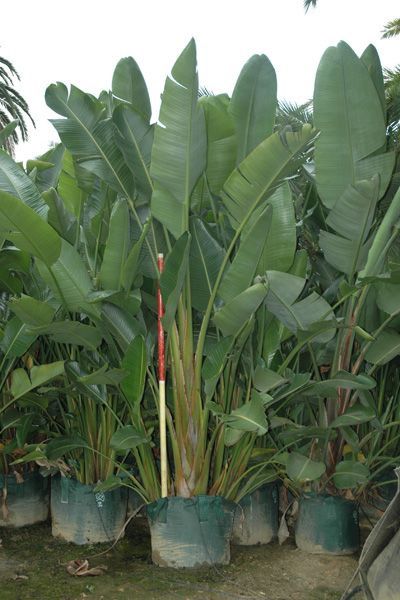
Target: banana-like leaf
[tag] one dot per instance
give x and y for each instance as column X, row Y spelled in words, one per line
column 173, row 278
column 266, row 379
column 388, row 296
column 349, row 474
column 206, row 256
column 131, row 266
column 262, row 171
column 221, row 141
column 128, row 84
column 348, row 113
column 355, row 415
column 72, row 332
column 248, row 417
column 233, row 316
column 300, row 468
column 31, row 311
column 59, row 217
column 77, row 376
column 16, row 182
column 48, row 177
column 20, row 224
column 253, row 104
column 384, row 348
column 16, row 339
column 22, row 383
column 121, row 324
column 134, row 137
column 214, row 364
column 240, row 274
column 351, row 218
column 135, row 364
column 7, row 131
column 89, row 136
column 127, row 438
column 61, row 446
column 179, row 148
column 348, row 381
column 371, row 60
column 69, row 281
column 117, row 247
column 69, row 186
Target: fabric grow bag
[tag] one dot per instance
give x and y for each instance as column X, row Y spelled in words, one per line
column 256, row 517
column 23, row 502
column 190, row 532
column 327, row 525
column 83, row 516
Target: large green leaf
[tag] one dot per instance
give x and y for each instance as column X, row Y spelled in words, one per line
column 214, row 364
column 16, row 182
column 350, row 474
column 127, row 438
column 89, row 136
column 135, row 364
column 117, row 247
column 262, row 171
column 69, row 281
column 384, row 348
column 371, row 60
column 61, row 446
column 354, row 415
column 31, row 311
column 206, row 256
column 301, row 468
column 134, row 137
column 253, row 104
column 234, row 315
column 22, row 383
column 342, row 379
column 240, row 274
column 249, row 417
column 24, row 227
column 173, row 278
column 348, row 112
column 128, row 84
column 73, row 332
column 351, row 218
column 179, row 148
column 266, row 379
column 16, row 339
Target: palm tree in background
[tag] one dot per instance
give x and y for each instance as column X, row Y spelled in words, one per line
column 13, row 107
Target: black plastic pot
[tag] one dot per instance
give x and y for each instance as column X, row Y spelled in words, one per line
column 327, row 525
column 83, row 516
column 256, row 517
column 23, row 502
column 190, row 532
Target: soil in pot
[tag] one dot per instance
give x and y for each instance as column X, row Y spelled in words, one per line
column 190, row 532
column 24, row 499
column 256, row 517
column 327, row 525
column 83, row 516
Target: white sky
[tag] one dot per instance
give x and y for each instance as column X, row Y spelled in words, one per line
column 80, row 42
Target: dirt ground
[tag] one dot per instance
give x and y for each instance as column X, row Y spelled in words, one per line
column 33, row 567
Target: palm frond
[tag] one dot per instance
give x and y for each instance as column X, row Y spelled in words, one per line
column 308, row 3
column 391, row 29
column 294, row 115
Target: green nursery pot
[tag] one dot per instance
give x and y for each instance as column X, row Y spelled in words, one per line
column 256, row 517
column 190, row 532
column 83, row 516
column 327, row 525
column 23, row 503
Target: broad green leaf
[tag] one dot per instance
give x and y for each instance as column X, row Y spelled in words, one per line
column 89, row 136
column 350, row 474
column 173, row 277
column 348, row 112
column 104, row 376
column 59, row 217
column 266, row 379
column 16, row 339
column 128, row 84
column 117, row 247
column 24, row 227
column 127, row 438
column 234, row 315
column 371, row 60
column 61, row 446
column 262, row 171
column 32, row 312
column 72, row 332
column 7, row 131
column 354, row 415
column 76, row 374
column 388, row 296
column 240, row 274
column 384, row 348
column 122, row 325
column 301, row 468
column 214, row 363
column 21, row 383
column 206, row 256
column 131, row 266
column 342, row 379
column 134, row 137
column 17, row 183
column 135, row 364
column 69, row 281
column 253, row 104
column 248, row 417
column 179, row 148
column 351, row 218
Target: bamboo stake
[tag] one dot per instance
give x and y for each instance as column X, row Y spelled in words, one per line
column 161, row 384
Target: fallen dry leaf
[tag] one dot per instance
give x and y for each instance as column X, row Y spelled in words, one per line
column 81, row 568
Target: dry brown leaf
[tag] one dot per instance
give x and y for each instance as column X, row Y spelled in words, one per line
column 80, row 568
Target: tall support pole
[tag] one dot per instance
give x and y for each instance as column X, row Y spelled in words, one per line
column 161, row 386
